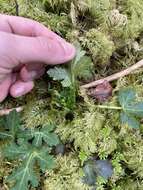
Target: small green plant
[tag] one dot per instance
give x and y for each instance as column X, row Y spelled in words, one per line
column 131, row 109
column 31, row 146
column 80, row 68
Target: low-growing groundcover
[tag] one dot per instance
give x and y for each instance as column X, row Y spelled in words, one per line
column 65, row 139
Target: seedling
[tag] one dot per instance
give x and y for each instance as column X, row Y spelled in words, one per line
column 80, row 68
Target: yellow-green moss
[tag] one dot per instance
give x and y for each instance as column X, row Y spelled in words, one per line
column 111, row 33
column 66, row 175
column 99, row 45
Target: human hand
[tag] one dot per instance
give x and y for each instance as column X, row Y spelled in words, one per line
column 25, row 47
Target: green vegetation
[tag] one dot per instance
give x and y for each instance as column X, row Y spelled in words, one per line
column 109, row 38
column 28, row 146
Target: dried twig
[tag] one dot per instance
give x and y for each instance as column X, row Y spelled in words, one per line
column 7, row 111
column 16, row 7
column 92, row 84
column 114, row 76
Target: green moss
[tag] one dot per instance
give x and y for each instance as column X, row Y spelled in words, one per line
column 91, row 123
column 111, row 33
column 5, row 170
column 133, row 153
column 7, row 7
column 99, row 45
column 57, row 6
column 66, row 176
column 134, row 12
column 129, row 184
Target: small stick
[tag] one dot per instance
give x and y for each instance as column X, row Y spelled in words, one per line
column 17, row 8
column 114, row 76
column 7, row 111
column 92, row 84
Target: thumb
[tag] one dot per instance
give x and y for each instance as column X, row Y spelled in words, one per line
column 4, row 87
column 42, row 49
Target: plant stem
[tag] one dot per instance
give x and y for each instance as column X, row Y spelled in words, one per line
column 114, row 76
column 109, row 107
column 7, row 111
column 17, row 8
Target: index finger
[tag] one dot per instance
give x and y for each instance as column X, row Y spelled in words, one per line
column 25, row 27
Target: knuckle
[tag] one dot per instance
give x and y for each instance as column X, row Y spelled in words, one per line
column 44, row 43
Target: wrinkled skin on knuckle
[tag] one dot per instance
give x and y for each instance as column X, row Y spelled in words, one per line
column 44, row 43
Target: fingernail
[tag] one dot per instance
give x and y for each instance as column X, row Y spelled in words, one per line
column 19, row 91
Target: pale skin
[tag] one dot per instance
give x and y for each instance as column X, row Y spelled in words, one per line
column 26, row 46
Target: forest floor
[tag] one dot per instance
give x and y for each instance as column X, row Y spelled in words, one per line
column 75, row 131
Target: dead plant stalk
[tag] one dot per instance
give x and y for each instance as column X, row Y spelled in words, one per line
column 114, row 76
column 91, row 84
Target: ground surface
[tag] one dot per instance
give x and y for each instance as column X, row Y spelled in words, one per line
column 111, row 34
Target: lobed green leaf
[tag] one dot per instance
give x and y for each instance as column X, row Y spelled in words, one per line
column 9, row 125
column 44, row 134
column 129, row 120
column 126, row 96
column 30, row 155
column 132, row 110
column 135, row 109
column 60, row 74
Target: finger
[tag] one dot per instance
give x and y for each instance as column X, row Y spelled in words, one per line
column 30, row 66
column 29, row 75
column 24, row 26
column 15, row 77
column 34, row 66
column 21, row 88
column 44, row 49
column 27, row 27
column 4, row 87
column 36, row 49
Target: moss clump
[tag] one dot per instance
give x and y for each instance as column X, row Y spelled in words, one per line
column 133, row 152
column 73, row 131
column 67, row 175
column 98, row 137
column 99, row 45
column 134, row 12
